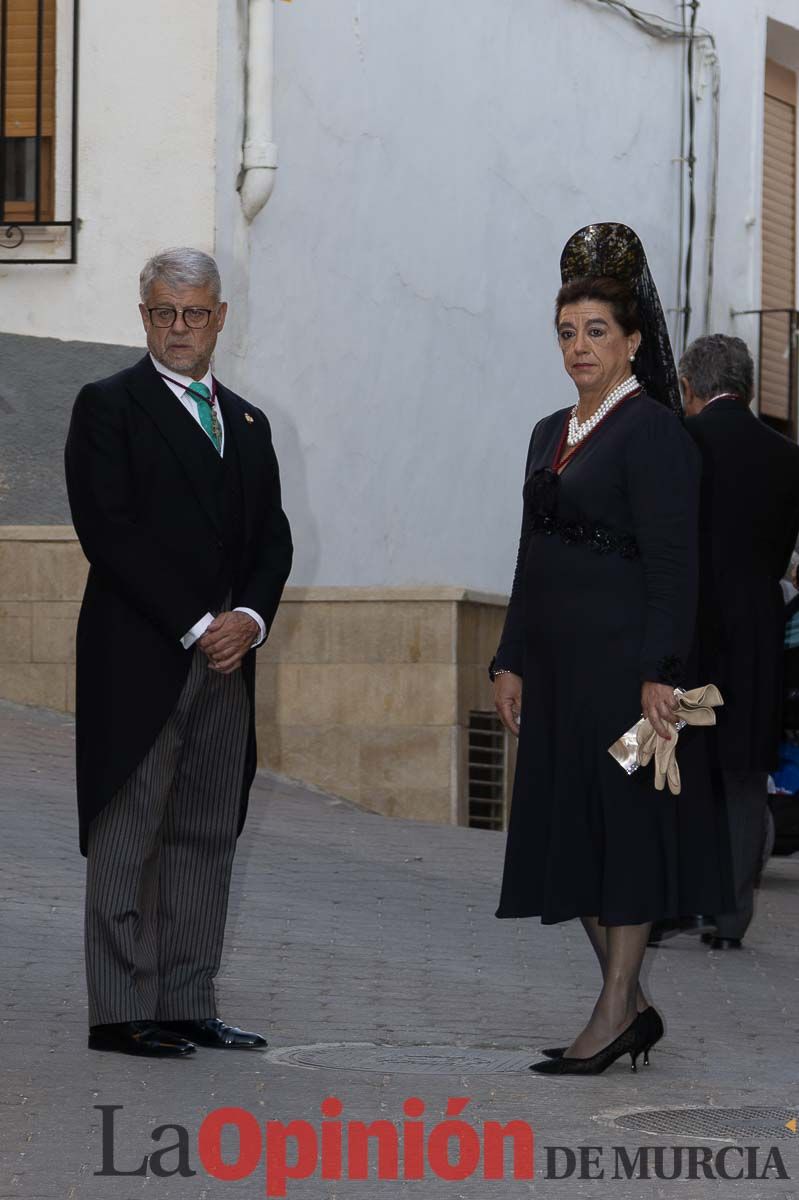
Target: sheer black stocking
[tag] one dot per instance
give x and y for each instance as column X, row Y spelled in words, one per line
column 597, row 936
column 620, row 950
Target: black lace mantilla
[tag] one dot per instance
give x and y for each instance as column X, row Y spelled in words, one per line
column 579, row 533
column 615, row 250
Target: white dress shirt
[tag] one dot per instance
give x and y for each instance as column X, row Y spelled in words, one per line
column 178, row 385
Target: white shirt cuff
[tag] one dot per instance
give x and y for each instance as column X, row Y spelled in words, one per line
column 261, row 626
column 196, row 632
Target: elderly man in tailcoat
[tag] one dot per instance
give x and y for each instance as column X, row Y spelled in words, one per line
column 175, row 496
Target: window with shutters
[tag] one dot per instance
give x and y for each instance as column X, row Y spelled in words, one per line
column 37, row 127
column 778, row 319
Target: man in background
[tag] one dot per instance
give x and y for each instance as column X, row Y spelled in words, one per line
column 749, row 519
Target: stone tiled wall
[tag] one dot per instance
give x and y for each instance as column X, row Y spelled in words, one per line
column 42, row 574
column 367, row 693
column 363, row 692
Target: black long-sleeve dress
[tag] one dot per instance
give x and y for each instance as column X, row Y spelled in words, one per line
column 604, row 599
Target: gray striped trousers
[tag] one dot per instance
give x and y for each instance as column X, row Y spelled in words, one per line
column 160, row 857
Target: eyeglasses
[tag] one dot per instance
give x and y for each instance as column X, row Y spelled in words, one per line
column 195, row 318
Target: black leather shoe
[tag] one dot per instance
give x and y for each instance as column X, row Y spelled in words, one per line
column 215, row 1034
column 144, row 1038
column 722, row 943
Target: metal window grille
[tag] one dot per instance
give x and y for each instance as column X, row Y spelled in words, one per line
column 487, row 771
column 38, row 131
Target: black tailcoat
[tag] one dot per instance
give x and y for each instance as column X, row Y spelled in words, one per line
column 749, row 518
column 144, row 488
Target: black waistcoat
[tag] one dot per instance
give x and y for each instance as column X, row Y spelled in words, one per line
column 226, row 498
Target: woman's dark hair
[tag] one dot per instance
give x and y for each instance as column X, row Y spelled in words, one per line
column 612, row 292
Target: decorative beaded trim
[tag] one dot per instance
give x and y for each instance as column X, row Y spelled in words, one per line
column 596, row 537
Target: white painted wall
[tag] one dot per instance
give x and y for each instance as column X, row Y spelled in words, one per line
column 147, row 166
column 396, row 324
column 391, row 307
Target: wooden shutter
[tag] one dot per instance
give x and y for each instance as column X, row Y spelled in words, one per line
column 22, row 61
column 779, row 238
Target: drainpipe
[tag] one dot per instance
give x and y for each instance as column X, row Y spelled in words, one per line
column 259, row 155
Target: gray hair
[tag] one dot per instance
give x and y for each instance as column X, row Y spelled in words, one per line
column 182, row 266
column 718, row 363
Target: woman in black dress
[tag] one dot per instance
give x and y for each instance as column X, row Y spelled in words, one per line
column 599, row 629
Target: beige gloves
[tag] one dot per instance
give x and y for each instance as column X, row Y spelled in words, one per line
column 640, row 744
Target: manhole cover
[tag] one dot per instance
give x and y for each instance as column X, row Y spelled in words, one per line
column 405, row 1060
column 726, row 1124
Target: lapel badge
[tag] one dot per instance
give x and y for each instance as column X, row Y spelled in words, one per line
column 250, row 420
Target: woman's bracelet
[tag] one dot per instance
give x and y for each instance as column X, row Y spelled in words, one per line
column 494, row 671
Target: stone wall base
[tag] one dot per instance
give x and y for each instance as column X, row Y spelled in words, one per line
column 365, row 693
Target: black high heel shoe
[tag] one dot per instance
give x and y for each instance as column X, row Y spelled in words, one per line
column 657, row 1034
column 656, row 1031
column 635, row 1039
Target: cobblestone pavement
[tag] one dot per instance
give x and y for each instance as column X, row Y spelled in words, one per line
column 349, row 928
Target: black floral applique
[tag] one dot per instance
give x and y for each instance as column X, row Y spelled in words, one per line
column 596, row 537
column 541, row 494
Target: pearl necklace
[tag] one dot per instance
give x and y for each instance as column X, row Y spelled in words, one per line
column 577, row 432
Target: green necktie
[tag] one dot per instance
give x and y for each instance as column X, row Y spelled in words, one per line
column 207, row 412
